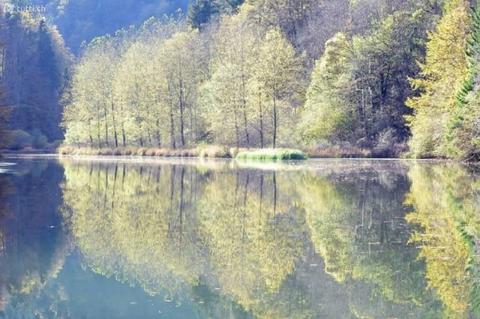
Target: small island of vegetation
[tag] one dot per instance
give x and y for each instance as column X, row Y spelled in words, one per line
column 272, row 154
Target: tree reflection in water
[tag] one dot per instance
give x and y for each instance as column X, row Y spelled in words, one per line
column 446, row 209
column 34, row 245
column 334, row 239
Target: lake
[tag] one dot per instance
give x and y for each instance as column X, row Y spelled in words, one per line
column 115, row 238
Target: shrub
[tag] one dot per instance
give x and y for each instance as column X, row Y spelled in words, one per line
column 385, row 145
column 213, row 151
column 141, row 151
column 340, row 150
column 20, row 139
column 39, row 140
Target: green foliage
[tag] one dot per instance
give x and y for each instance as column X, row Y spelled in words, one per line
column 446, row 211
column 35, row 69
column 288, row 16
column 231, row 103
column 327, row 111
column 272, row 155
column 463, row 132
column 137, row 90
column 277, row 74
column 20, row 139
column 241, row 82
column 152, row 89
column 201, row 234
column 252, row 236
column 362, row 239
column 360, row 84
column 201, row 12
column 442, row 76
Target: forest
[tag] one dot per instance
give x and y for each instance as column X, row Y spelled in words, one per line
column 382, row 78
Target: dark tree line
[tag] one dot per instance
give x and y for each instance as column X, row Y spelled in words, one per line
column 34, row 72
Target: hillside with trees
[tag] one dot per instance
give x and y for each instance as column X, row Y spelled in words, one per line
column 80, row 21
column 370, row 78
column 264, row 73
column 34, row 74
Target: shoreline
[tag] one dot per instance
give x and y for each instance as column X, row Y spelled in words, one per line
column 215, row 151
column 212, row 152
column 324, row 165
column 145, row 158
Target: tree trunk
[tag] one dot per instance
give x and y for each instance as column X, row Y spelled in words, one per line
column 262, row 137
column 172, row 128
column 245, row 121
column 98, row 129
column 158, row 136
column 149, row 135
column 275, row 122
column 106, row 126
column 124, row 137
column 114, row 125
column 182, row 111
column 237, row 130
column 244, row 106
column 90, row 133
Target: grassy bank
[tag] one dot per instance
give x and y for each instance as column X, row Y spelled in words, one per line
column 204, row 152
column 272, row 155
column 215, row 151
column 210, row 151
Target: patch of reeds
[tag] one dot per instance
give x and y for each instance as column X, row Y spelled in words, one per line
column 280, row 154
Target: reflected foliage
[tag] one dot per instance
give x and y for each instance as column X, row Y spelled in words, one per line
column 33, row 245
column 445, row 202
column 363, row 239
column 330, row 239
column 262, row 243
column 243, row 242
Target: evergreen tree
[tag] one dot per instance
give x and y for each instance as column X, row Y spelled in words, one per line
column 441, row 77
column 201, row 12
column 34, row 68
column 463, row 131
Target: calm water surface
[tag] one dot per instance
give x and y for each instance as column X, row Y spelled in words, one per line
column 186, row 239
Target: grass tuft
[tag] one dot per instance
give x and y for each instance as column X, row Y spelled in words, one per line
column 279, row 154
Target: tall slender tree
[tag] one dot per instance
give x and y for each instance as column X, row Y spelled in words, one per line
column 278, row 74
column 441, row 77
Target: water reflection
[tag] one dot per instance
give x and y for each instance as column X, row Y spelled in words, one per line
column 332, row 239
column 33, row 244
column 445, row 199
